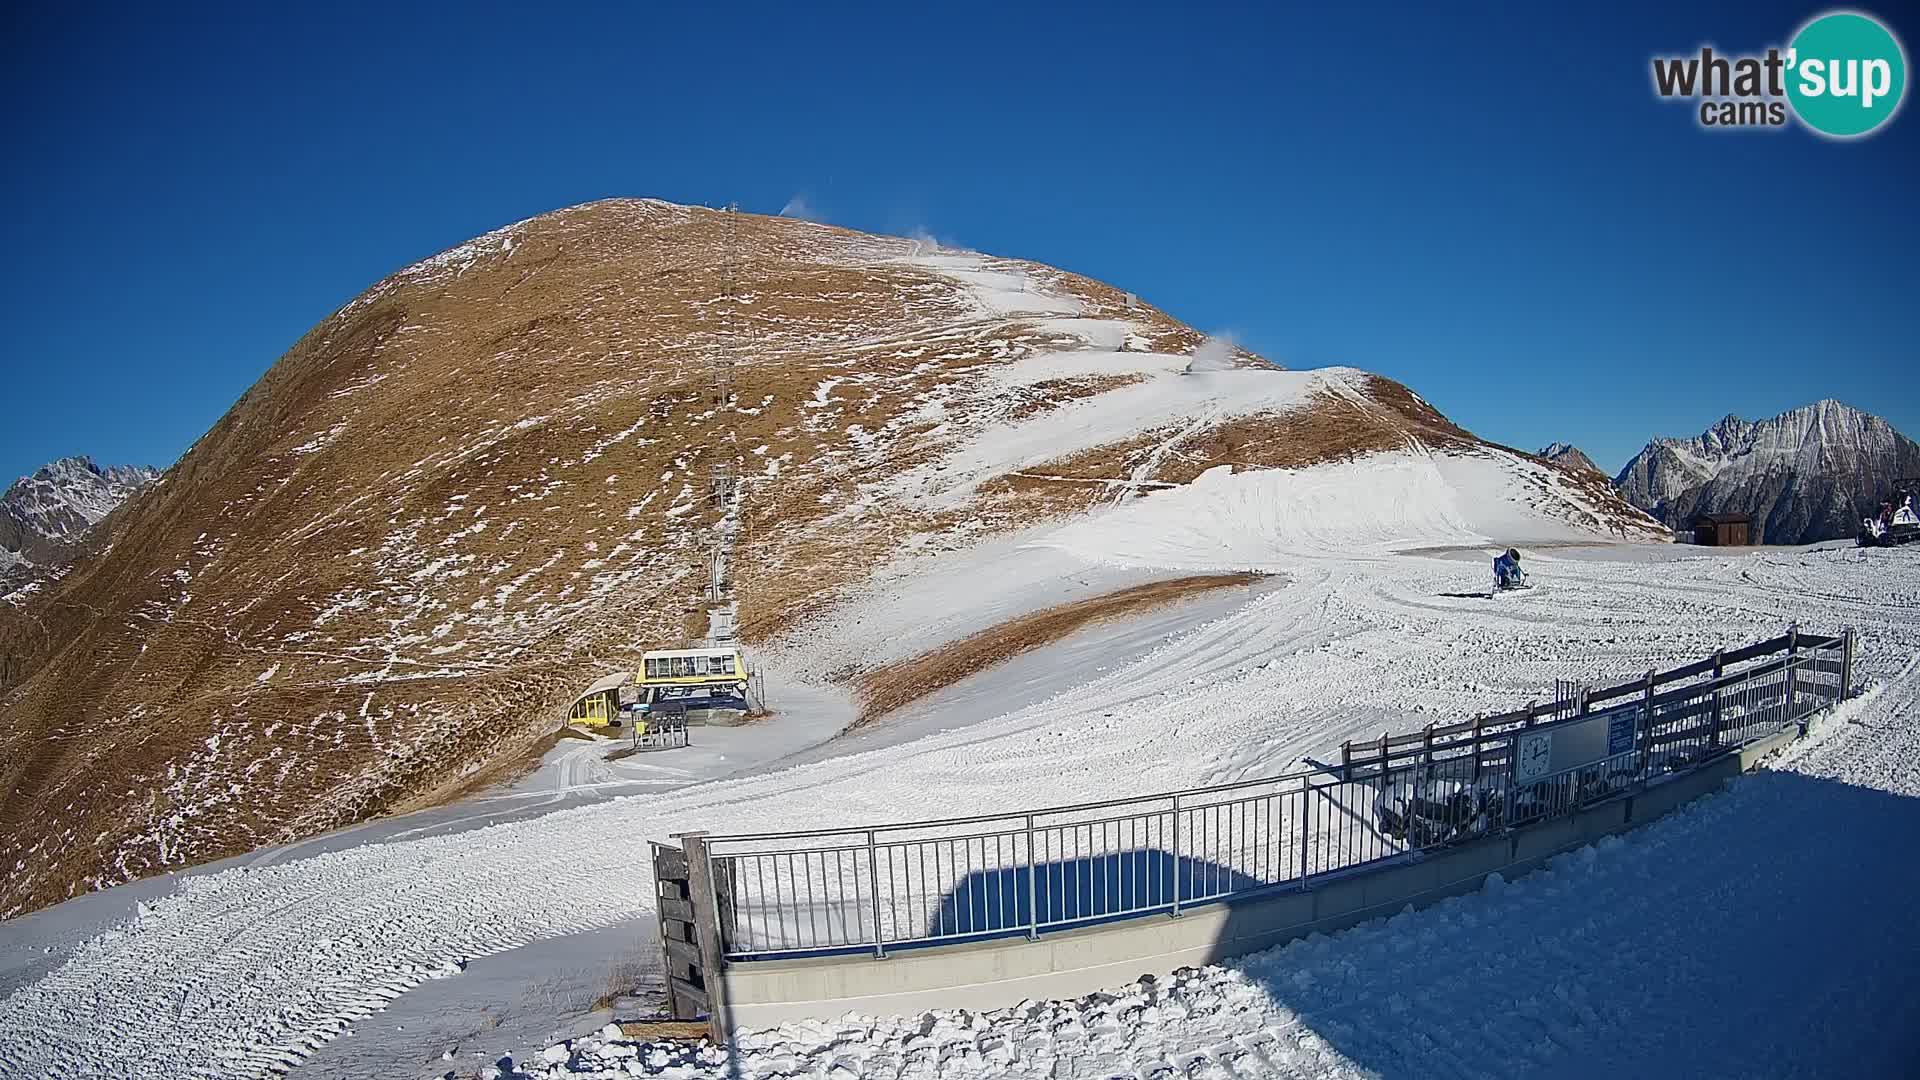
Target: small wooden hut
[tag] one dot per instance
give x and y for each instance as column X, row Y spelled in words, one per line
column 1723, row 530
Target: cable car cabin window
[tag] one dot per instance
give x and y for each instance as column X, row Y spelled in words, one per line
column 712, row 665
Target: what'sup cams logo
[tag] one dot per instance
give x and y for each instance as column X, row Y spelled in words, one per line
column 1844, row 75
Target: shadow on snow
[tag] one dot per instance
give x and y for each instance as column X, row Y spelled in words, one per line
column 1767, row 930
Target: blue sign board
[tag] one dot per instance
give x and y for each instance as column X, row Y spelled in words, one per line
column 1620, row 731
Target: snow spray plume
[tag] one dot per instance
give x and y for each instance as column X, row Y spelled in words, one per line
column 1214, row 354
column 923, row 241
column 800, row 207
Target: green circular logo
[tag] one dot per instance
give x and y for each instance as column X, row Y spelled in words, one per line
column 1846, row 74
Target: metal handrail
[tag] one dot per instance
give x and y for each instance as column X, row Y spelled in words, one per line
column 1225, row 844
column 1485, row 741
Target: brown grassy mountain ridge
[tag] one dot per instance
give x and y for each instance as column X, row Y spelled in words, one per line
column 484, row 482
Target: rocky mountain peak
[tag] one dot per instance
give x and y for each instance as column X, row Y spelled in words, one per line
column 1806, row 475
column 43, row 515
column 1568, row 456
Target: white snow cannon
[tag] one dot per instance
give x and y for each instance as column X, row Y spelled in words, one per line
column 1897, row 523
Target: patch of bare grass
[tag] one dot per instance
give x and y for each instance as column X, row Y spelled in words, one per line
column 888, row 688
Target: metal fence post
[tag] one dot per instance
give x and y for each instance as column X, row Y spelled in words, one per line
column 1846, row 664
column 873, row 883
column 1176, row 857
column 706, row 921
column 1719, row 672
column 1306, row 825
column 1386, row 760
column 1033, row 886
column 1512, row 779
column 1793, row 670
column 1646, row 730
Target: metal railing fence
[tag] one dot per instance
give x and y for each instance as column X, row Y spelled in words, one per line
column 1029, row 872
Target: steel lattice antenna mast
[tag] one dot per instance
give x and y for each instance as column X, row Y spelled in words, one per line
column 725, row 356
column 722, row 484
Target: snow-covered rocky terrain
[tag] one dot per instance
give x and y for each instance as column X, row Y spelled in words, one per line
column 43, row 516
column 1807, row 475
column 255, row 968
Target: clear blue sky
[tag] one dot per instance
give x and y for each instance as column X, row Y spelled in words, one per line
column 1488, row 205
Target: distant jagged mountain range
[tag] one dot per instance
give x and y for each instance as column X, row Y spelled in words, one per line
column 1807, row 475
column 44, row 516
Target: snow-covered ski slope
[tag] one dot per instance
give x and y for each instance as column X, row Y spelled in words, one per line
column 247, row 970
column 1764, row 931
column 1380, row 503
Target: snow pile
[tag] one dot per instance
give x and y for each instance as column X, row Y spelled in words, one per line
column 1265, row 519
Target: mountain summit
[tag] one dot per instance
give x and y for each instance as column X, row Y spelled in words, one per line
column 1568, row 456
column 505, row 471
column 44, row 516
column 1806, row 475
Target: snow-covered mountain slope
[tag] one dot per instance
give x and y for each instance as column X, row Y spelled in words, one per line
column 1806, row 475
column 43, row 516
column 486, row 482
column 1568, row 456
column 1379, row 503
column 248, row 969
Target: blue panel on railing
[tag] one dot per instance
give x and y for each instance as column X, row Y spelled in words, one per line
column 1075, row 890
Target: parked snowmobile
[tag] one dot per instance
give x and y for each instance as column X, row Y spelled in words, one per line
column 1507, row 574
column 1897, row 522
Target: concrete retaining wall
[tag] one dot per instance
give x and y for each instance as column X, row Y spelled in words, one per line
column 1067, row 964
